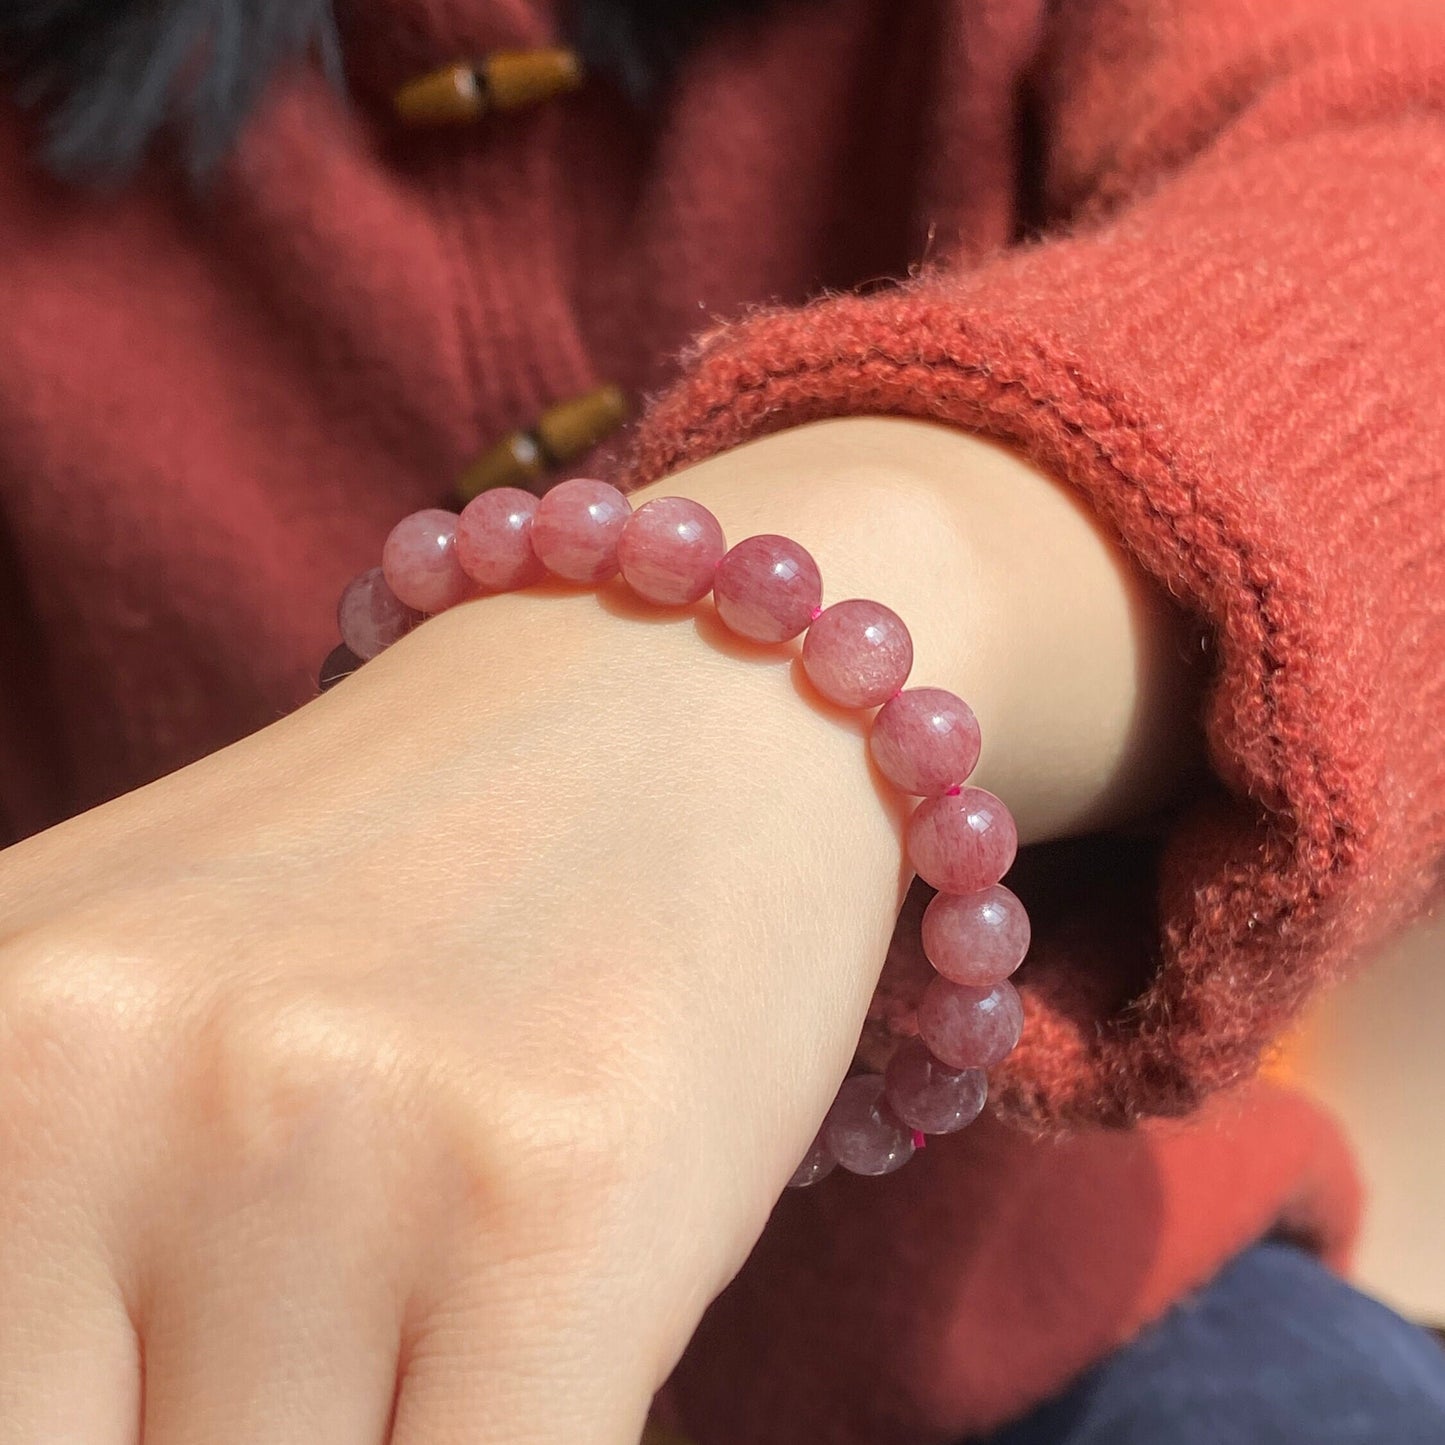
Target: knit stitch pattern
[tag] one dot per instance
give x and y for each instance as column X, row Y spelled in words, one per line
column 1213, row 360
column 1184, row 254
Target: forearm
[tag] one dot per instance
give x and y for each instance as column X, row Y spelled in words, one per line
column 1078, row 670
column 585, row 902
column 1015, row 599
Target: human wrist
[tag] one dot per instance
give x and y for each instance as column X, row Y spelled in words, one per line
column 1082, row 672
column 1025, row 607
column 929, row 487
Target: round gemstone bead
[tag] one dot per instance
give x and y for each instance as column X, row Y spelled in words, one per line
column 767, row 588
column 862, row 1131
column 370, row 616
column 419, row 561
column 962, row 843
column 669, row 551
column 976, row 938
column 494, row 540
column 858, row 653
column 340, row 663
column 930, row 1096
column 925, row 741
column 577, row 527
column 970, row 1028
column 816, row 1164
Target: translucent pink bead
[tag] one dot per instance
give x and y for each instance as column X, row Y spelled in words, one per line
column 863, row 1132
column 669, row 551
column 976, row 938
column 926, row 741
column 858, row 653
column 494, row 540
column 576, row 529
column 962, row 843
column 930, row 1096
column 767, row 588
column 970, row 1028
column 816, row 1164
column 370, row 616
column 419, row 561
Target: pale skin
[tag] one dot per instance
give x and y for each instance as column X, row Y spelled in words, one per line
column 417, row 1069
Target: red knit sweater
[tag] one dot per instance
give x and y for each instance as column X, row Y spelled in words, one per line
column 1225, row 333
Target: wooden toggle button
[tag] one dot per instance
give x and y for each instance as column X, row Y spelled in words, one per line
column 505, row 80
column 562, row 433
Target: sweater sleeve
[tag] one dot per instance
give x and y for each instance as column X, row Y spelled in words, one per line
column 1229, row 339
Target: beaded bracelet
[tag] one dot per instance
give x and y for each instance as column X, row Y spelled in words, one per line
column 857, row 654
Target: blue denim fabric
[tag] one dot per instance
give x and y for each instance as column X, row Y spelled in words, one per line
column 1276, row 1351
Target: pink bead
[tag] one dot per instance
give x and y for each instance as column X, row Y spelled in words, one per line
column 370, row 616
column 767, row 588
column 669, row 551
column 577, row 527
column 494, row 540
column 976, row 938
column 419, row 561
column 962, row 843
column 925, row 741
column 858, row 653
column 928, row 1095
column 863, row 1133
column 816, row 1164
column 970, row 1028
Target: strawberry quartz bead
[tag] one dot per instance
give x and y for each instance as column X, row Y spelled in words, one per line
column 767, row 588
column 925, row 741
column 858, row 653
column 420, row 562
column 928, row 1095
column 370, row 616
column 669, row 551
column 494, row 540
column 577, row 527
column 963, row 842
column 970, row 1028
column 863, row 1133
column 816, row 1164
column 976, row 938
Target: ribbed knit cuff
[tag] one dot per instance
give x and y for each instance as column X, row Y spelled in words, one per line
column 1161, row 973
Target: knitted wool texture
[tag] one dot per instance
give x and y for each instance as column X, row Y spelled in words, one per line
column 1227, row 344
column 1225, row 335
column 1212, row 361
